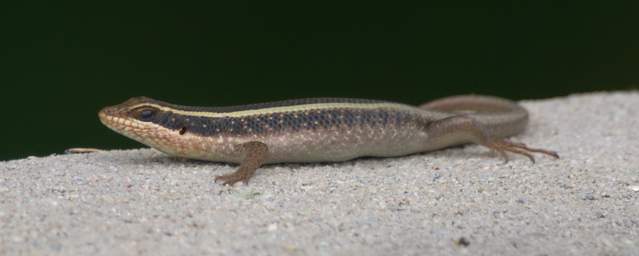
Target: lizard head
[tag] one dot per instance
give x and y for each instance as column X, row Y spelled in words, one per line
column 145, row 120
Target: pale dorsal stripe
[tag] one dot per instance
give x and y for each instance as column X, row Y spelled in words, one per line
column 282, row 109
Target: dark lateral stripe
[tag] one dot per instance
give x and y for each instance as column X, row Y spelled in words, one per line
column 285, row 121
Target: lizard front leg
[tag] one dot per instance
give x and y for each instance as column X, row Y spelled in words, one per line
column 255, row 154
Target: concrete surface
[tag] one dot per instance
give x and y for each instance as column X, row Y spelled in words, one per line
column 459, row 201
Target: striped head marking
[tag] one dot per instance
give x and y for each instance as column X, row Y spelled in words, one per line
column 138, row 118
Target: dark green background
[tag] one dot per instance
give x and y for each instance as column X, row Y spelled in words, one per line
column 62, row 61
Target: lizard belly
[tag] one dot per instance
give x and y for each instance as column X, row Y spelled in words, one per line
column 344, row 143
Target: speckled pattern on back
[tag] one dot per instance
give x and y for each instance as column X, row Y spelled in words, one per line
column 286, row 121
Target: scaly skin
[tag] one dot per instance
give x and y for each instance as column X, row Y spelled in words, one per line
column 317, row 130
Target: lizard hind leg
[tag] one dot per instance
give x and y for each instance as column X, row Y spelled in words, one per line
column 466, row 129
column 255, row 154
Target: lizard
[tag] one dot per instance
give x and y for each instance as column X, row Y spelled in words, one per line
column 318, row 129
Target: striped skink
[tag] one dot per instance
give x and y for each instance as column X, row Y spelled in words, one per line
column 318, row 129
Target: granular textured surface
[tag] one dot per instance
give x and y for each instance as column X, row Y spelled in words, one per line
column 458, row 201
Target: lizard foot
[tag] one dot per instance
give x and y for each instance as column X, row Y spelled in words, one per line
column 503, row 146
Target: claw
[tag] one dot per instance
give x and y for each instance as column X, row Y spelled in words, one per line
column 231, row 179
column 503, row 154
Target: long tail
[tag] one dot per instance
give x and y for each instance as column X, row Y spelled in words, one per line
column 503, row 117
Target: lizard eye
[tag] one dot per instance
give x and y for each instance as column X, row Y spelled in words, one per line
column 145, row 113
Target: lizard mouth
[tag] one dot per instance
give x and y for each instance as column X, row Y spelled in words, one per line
column 108, row 115
column 114, row 118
